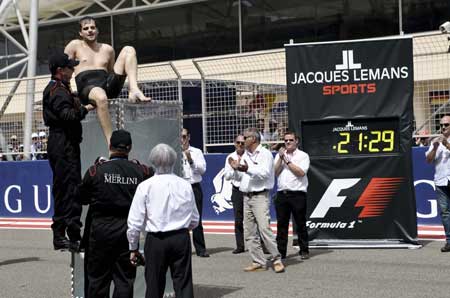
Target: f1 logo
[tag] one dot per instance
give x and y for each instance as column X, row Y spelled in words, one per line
column 331, row 197
column 374, row 199
column 347, row 61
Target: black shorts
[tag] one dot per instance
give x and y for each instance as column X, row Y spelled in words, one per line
column 112, row 83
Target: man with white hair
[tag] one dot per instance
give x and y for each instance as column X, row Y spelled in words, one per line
column 256, row 174
column 164, row 206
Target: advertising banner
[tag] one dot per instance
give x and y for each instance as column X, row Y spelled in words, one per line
column 26, row 200
column 351, row 104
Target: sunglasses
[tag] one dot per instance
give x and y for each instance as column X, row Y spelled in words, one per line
column 289, row 140
column 239, row 143
column 184, row 136
column 444, row 124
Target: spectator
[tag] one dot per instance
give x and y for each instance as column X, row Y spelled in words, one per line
column 272, row 134
column 261, row 127
column 13, row 146
column 35, row 148
column 291, row 166
column 20, row 156
column 165, row 207
column 236, row 196
column 194, row 166
column 257, row 179
column 439, row 155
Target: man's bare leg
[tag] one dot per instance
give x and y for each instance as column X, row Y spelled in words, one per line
column 99, row 96
column 127, row 63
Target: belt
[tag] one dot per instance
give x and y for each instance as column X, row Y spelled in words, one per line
column 235, row 187
column 254, row 193
column 169, row 233
column 291, row 192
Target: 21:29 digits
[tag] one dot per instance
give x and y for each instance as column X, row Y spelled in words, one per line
column 378, row 140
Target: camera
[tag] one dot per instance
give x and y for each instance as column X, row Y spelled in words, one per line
column 445, row 27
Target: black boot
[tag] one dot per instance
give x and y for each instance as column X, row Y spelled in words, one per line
column 62, row 244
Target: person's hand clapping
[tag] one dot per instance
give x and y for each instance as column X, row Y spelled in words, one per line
column 435, row 145
column 233, row 163
column 243, row 167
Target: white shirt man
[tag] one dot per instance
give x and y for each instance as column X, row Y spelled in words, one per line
column 164, row 205
column 257, row 179
column 194, row 166
column 168, row 203
column 236, row 195
column 439, row 155
column 291, row 166
column 259, row 175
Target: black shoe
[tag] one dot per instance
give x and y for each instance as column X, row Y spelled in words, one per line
column 446, row 248
column 238, row 251
column 304, row 255
column 203, row 255
column 61, row 244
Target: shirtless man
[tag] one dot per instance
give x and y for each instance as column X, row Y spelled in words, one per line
column 99, row 76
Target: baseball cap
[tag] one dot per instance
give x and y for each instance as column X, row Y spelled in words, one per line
column 34, row 135
column 60, row 59
column 42, row 134
column 121, row 139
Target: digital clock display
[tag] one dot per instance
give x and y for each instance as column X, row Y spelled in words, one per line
column 345, row 137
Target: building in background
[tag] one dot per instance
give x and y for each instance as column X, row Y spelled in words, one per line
column 179, row 29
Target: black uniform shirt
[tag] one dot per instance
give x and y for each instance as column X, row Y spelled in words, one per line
column 62, row 112
column 109, row 187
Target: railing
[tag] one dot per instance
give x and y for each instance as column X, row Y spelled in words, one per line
column 236, row 92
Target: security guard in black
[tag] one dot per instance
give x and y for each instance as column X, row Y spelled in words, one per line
column 108, row 188
column 62, row 113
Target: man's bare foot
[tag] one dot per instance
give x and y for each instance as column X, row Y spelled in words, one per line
column 136, row 95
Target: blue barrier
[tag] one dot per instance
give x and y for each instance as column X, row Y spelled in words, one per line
column 26, row 190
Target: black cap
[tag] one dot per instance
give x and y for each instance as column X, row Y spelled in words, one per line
column 121, row 139
column 60, row 59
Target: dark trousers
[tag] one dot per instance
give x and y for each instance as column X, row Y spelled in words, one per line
column 288, row 203
column 198, row 236
column 238, row 208
column 165, row 250
column 109, row 259
column 64, row 159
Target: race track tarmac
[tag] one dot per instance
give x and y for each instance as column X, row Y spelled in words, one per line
column 29, row 268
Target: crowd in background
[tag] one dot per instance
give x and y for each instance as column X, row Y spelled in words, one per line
column 15, row 150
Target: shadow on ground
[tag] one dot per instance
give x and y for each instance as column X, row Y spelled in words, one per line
column 209, row 291
column 21, row 260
